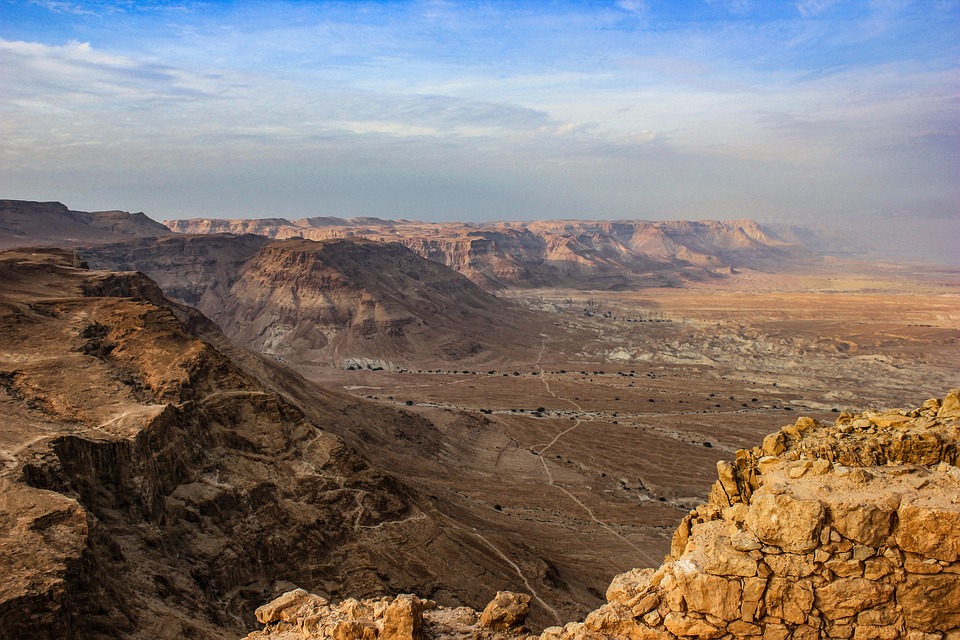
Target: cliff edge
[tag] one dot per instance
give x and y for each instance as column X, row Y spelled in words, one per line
column 849, row 530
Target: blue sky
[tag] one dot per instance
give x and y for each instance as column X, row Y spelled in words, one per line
column 830, row 111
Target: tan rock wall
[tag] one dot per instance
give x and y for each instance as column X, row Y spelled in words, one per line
column 843, row 531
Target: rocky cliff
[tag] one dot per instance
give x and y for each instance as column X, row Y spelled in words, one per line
column 312, row 301
column 156, row 482
column 583, row 254
column 195, row 270
column 845, row 530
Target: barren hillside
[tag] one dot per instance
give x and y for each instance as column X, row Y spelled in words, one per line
column 332, row 302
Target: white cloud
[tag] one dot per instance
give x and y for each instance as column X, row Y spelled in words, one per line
column 637, row 7
column 810, row 8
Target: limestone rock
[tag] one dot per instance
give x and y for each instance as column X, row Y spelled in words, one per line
column 507, row 610
column 627, row 586
column 927, row 529
column 864, row 523
column 289, row 606
column 931, row 603
column 785, row 522
column 403, row 619
column 950, row 407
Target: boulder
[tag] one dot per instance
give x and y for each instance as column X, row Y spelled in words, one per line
column 507, row 610
column 289, row 606
column 783, row 521
column 403, row 619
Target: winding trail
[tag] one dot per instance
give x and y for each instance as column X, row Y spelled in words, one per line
column 526, row 583
column 546, row 468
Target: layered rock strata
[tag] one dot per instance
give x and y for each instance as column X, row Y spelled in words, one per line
column 569, row 253
column 848, row 531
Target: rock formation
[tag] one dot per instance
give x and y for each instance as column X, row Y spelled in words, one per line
column 194, row 270
column 304, row 300
column 849, row 531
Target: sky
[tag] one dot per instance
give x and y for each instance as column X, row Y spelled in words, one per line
column 835, row 112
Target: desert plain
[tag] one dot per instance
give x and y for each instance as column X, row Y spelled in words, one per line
column 587, row 448
column 523, row 411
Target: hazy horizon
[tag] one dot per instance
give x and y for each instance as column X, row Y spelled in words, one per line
column 812, row 112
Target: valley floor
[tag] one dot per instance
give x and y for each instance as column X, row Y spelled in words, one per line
column 586, row 452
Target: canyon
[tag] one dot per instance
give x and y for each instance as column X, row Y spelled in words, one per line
column 348, row 418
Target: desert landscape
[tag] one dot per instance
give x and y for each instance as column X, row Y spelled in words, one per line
column 351, row 418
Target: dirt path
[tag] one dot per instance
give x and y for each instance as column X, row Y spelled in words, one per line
column 526, row 583
column 549, row 475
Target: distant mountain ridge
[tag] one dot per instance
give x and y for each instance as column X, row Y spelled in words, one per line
column 582, row 254
column 52, row 223
column 573, row 253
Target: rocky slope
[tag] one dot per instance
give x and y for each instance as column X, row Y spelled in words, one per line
column 194, row 270
column 308, row 300
column 583, row 254
column 850, row 530
column 336, row 301
column 25, row 223
column 157, row 482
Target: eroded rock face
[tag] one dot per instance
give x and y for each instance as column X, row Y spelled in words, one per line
column 825, row 531
column 794, row 543
column 304, row 300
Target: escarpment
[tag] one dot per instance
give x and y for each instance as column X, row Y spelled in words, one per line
column 581, row 254
column 151, row 486
column 315, row 301
column 849, row 530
